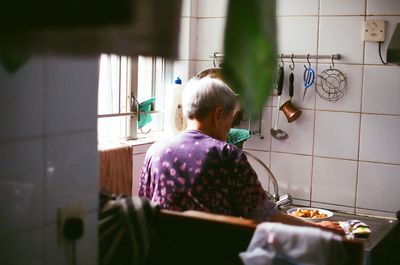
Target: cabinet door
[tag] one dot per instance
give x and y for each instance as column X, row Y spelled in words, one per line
column 137, row 168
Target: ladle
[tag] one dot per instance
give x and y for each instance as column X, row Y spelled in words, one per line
column 275, row 132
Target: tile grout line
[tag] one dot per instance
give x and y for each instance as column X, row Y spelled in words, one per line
column 315, row 105
column 325, row 157
column 270, row 144
column 44, row 169
column 360, row 119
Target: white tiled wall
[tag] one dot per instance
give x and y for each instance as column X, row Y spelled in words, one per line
column 300, row 30
column 48, row 157
column 343, row 155
column 184, row 67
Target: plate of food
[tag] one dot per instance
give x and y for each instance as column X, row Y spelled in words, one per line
column 310, row 214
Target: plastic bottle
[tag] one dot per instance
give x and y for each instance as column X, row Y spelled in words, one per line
column 174, row 121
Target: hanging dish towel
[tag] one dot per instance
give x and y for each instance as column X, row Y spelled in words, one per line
column 238, row 136
column 144, row 109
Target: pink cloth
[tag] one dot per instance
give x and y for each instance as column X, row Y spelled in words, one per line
column 116, row 170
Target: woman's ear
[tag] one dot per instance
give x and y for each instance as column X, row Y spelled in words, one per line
column 218, row 114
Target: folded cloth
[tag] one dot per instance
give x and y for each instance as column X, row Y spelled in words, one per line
column 276, row 243
column 238, row 136
column 355, row 228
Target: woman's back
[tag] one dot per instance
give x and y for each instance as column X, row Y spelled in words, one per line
column 194, row 171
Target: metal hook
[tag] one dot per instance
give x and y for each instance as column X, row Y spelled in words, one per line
column 308, row 60
column 333, row 64
column 282, row 60
column 292, row 66
column 135, row 107
column 141, row 128
column 214, row 58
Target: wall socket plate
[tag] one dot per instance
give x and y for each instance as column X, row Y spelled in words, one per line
column 374, row 30
column 64, row 213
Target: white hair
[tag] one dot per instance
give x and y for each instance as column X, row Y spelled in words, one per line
column 202, row 95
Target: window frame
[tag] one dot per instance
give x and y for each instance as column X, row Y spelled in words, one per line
column 161, row 74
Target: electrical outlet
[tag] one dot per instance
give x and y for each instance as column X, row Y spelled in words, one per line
column 65, row 213
column 374, row 30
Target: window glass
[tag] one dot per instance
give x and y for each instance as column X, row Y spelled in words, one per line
column 121, row 78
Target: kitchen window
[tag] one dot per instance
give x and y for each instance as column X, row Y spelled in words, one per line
column 124, row 82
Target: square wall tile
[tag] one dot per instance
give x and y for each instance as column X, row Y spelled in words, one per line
column 304, row 203
column 342, row 7
column 297, row 7
column 21, row 185
column 262, row 174
column 71, row 93
column 212, row 8
column 193, row 39
column 336, row 134
column 378, row 187
column 185, row 12
column 301, row 31
column 379, row 138
column 375, row 213
column 187, row 39
column 23, row 248
column 383, row 7
column 256, row 142
column 184, row 39
column 210, row 37
column 334, row 207
column 72, row 172
column 88, row 252
column 22, row 100
column 381, row 90
column 300, row 133
column 334, row 181
column 342, row 35
column 189, row 8
column 351, row 100
column 372, row 48
column 293, row 173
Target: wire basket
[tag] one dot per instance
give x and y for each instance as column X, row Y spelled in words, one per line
column 331, row 84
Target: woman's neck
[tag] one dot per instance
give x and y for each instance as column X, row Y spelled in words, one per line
column 203, row 126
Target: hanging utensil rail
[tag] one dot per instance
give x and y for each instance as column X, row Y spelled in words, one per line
column 217, row 55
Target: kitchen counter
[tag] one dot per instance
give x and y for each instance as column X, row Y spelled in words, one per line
column 382, row 246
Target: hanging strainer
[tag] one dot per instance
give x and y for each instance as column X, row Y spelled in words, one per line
column 331, row 84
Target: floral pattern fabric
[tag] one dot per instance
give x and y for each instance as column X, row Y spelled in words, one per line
column 194, row 171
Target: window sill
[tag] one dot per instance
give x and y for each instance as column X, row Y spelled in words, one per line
column 143, row 139
column 139, row 144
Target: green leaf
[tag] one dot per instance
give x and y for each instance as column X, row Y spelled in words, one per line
column 249, row 65
column 13, row 62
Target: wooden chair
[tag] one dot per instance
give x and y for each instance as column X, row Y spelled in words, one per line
column 201, row 238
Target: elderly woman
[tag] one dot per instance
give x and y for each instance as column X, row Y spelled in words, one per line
column 199, row 170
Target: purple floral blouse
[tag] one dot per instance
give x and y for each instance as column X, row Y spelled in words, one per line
column 194, row 171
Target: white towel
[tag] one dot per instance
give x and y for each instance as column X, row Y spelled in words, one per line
column 276, row 243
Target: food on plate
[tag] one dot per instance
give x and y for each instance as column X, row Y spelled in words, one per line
column 309, row 213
